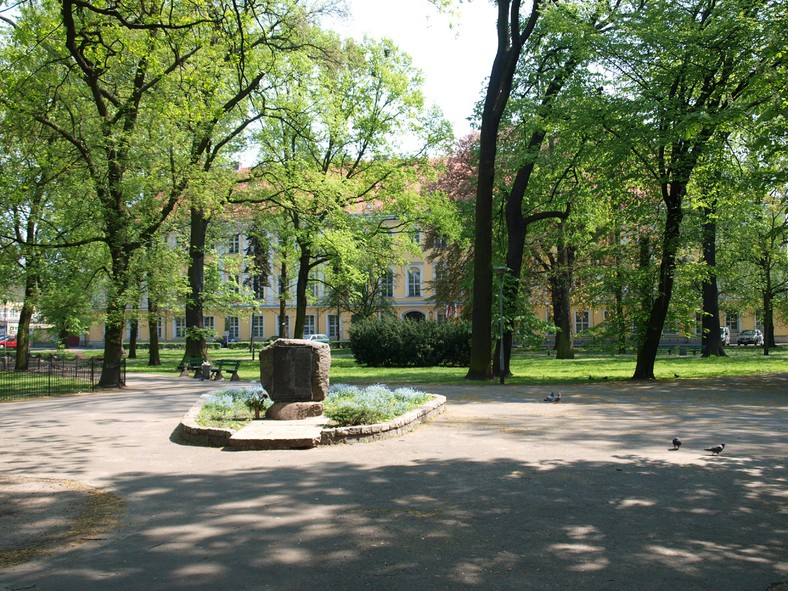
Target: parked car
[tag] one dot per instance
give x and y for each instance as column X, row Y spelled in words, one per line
column 8, row 341
column 725, row 335
column 750, row 337
column 318, row 338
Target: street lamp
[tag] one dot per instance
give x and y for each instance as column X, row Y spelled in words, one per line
column 500, row 271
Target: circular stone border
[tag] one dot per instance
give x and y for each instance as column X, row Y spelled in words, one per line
column 189, row 431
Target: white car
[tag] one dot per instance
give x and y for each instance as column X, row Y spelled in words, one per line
column 318, row 338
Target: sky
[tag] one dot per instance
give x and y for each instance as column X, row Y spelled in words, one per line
column 456, row 61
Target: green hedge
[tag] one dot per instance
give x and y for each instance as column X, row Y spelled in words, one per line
column 388, row 342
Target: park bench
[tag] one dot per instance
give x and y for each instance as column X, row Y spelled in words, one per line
column 189, row 364
column 230, row 365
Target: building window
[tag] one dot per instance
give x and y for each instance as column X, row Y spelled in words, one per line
column 160, row 328
column 231, row 327
column 387, row 285
column 582, row 320
column 416, row 237
column 758, row 320
column 234, row 244
column 414, row 282
column 333, row 327
column 258, row 288
column 209, row 322
column 180, row 328
column 309, row 325
column 732, row 321
column 258, row 327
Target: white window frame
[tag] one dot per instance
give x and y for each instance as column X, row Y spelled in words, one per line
column 179, row 327
column 232, row 327
column 258, row 326
column 414, row 282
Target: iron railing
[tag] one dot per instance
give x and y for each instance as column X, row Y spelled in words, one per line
column 52, row 375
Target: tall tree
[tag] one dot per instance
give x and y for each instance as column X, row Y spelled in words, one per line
column 686, row 69
column 513, row 32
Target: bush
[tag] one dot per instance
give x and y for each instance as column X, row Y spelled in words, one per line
column 350, row 405
column 232, row 406
column 388, row 342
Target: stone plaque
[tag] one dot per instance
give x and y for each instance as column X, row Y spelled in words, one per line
column 292, row 375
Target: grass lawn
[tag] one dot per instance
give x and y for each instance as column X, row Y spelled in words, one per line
column 528, row 368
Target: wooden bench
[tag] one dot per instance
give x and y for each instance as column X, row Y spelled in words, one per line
column 230, row 365
column 190, row 364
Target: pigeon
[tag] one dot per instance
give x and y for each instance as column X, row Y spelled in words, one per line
column 676, row 443
column 550, row 398
column 716, row 450
column 557, row 398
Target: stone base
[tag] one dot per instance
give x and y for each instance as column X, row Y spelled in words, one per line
column 294, row 411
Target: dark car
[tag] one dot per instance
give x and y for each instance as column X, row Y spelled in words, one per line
column 9, row 342
column 750, row 337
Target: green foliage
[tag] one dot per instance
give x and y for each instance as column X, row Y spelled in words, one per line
column 388, row 342
column 350, row 405
column 232, row 407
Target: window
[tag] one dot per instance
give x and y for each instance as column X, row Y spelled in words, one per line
column 333, row 327
column 416, row 237
column 160, row 328
column 309, row 325
column 180, row 328
column 258, row 327
column 758, row 320
column 209, row 322
column 258, row 288
column 414, row 282
column 312, row 287
column 732, row 321
column 232, row 283
column 231, row 327
column 387, row 285
column 234, row 244
column 283, row 332
column 582, row 321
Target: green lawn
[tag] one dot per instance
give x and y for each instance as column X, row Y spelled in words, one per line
column 528, row 368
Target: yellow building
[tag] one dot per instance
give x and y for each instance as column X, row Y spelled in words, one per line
column 406, row 288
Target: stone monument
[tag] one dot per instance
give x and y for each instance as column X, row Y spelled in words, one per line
column 295, row 374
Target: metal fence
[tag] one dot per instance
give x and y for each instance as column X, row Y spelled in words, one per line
column 51, row 375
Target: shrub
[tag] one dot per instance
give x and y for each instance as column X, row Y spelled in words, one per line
column 350, row 405
column 232, row 406
column 388, row 342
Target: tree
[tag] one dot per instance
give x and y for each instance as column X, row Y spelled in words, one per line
column 512, row 35
column 685, row 71
column 334, row 150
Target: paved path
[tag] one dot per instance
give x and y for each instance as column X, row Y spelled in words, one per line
column 502, row 491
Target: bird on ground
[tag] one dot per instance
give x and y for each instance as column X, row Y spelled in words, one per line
column 715, row 450
column 676, row 443
column 550, row 397
column 557, row 398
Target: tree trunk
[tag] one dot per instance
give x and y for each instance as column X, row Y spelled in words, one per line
column 195, row 336
column 154, row 357
column 710, row 323
column 561, row 284
column 283, row 302
column 649, row 344
column 302, row 284
column 499, row 88
column 768, row 317
column 133, row 332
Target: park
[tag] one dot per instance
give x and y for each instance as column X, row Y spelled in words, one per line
column 581, row 302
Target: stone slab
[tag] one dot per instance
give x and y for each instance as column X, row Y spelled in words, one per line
column 269, row 434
